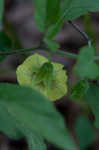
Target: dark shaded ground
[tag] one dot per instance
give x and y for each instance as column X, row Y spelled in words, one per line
column 19, row 13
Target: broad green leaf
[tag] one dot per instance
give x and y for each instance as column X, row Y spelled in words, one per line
column 86, row 67
column 1, row 13
column 53, row 11
column 33, row 111
column 6, row 44
column 8, row 124
column 92, row 98
column 52, row 45
column 72, row 9
column 35, row 142
column 14, row 129
column 84, row 132
column 79, row 89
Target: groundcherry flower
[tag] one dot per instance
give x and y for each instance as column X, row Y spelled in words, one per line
column 49, row 78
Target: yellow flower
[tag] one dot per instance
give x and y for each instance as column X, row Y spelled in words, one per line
column 49, row 78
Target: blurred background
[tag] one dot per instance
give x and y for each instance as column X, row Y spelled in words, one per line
column 19, row 24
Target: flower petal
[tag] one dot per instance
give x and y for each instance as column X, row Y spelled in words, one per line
column 27, row 73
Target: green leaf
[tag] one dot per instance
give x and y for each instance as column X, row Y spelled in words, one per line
column 92, row 98
column 53, row 7
column 54, row 29
column 13, row 129
column 52, row 45
column 86, row 67
column 79, row 89
column 1, row 13
column 40, row 14
column 44, row 18
column 84, row 132
column 35, row 142
column 72, row 9
column 6, row 44
column 8, row 124
column 39, row 22
column 33, row 111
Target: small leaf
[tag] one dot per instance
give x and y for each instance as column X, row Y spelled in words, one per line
column 53, row 7
column 54, row 29
column 34, row 112
column 86, row 67
column 40, row 14
column 6, row 44
column 79, row 89
column 84, row 132
column 92, row 98
column 39, row 22
column 44, row 18
column 52, row 45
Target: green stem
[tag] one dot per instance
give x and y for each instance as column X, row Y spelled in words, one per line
column 65, row 54
column 59, row 52
column 18, row 51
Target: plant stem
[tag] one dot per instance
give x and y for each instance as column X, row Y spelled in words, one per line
column 65, row 54
column 89, row 28
column 18, row 51
column 81, row 32
column 59, row 52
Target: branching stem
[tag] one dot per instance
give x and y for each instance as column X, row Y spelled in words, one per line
column 18, row 51
column 59, row 52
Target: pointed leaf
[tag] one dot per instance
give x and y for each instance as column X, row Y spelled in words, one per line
column 40, row 14
column 52, row 45
column 54, row 29
column 79, row 89
column 44, row 11
column 33, row 111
